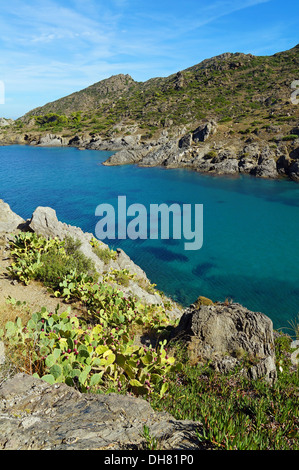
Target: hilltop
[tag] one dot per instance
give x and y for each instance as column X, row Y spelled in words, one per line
column 247, row 103
column 230, row 85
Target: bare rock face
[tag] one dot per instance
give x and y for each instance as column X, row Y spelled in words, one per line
column 51, row 140
column 37, row 416
column 225, row 334
column 204, row 131
column 9, row 221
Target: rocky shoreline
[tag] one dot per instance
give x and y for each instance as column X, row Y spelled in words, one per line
column 204, row 150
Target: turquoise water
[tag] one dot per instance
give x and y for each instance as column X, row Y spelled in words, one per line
column 250, row 226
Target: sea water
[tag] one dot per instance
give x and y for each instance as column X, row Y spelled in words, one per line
column 250, row 248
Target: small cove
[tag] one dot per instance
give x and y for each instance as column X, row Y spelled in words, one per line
column 251, row 226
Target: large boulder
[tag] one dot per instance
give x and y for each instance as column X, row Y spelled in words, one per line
column 266, row 168
column 52, row 140
column 9, row 221
column 204, row 131
column 37, row 416
column 228, row 335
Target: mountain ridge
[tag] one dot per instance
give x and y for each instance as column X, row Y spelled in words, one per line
column 106, row 95
column 232, row 113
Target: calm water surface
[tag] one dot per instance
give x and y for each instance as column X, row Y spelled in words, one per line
column 250, row 247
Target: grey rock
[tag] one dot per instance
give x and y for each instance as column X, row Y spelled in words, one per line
column 159, row 155
column 247, row 165
column 295, row 354
column 37, row 416
column 225, row 333
column 9, row 221
column 51, row 140
column 5, row 122
column 283, row 164
column 125, row 157
column 204, row 165
column 185, row 142
column 266, row 168
column 204, row 131
column 227, row 166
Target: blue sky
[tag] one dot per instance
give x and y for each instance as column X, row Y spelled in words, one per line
column 51, row 48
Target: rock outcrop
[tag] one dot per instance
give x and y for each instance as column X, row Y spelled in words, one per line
column 9, row 221
column 225, row 334
column 204, row 131
column 37, row 416
column 198, row 152
column 5, row 122
column 52, row 140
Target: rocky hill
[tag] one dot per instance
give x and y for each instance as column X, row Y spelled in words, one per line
column 231, row 85
column 233, row 113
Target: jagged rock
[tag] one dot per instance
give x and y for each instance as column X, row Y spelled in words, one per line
column 185, row 142
column 266, row 168
column 283, row 164
column 52, row 141
column 44, row 222
column 159, row 155
column 9, row 221
column 125, row 157
column 294, row 171
column 226, row 333
column 295, row 354
column 5, row 122
column 37, row 416
column 227, row 166
column 204, row 131
column 247, row 165
column 2, row 353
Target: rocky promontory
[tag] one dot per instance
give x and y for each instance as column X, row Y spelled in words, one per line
column 207, row 149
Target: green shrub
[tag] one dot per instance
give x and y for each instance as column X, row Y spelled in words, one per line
column 105, row 254
column 290, row 137
column 48, row 261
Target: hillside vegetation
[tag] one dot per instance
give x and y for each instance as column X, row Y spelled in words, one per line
column 245, row 93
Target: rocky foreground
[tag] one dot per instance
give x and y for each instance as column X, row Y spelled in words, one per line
column 36, row 415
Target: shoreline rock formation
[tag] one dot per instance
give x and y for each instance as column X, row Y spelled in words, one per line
column 198, row 151
column 44, row 222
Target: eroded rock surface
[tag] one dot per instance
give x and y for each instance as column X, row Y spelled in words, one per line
column 9, row 221
column 227, row 334
column 35, row 415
